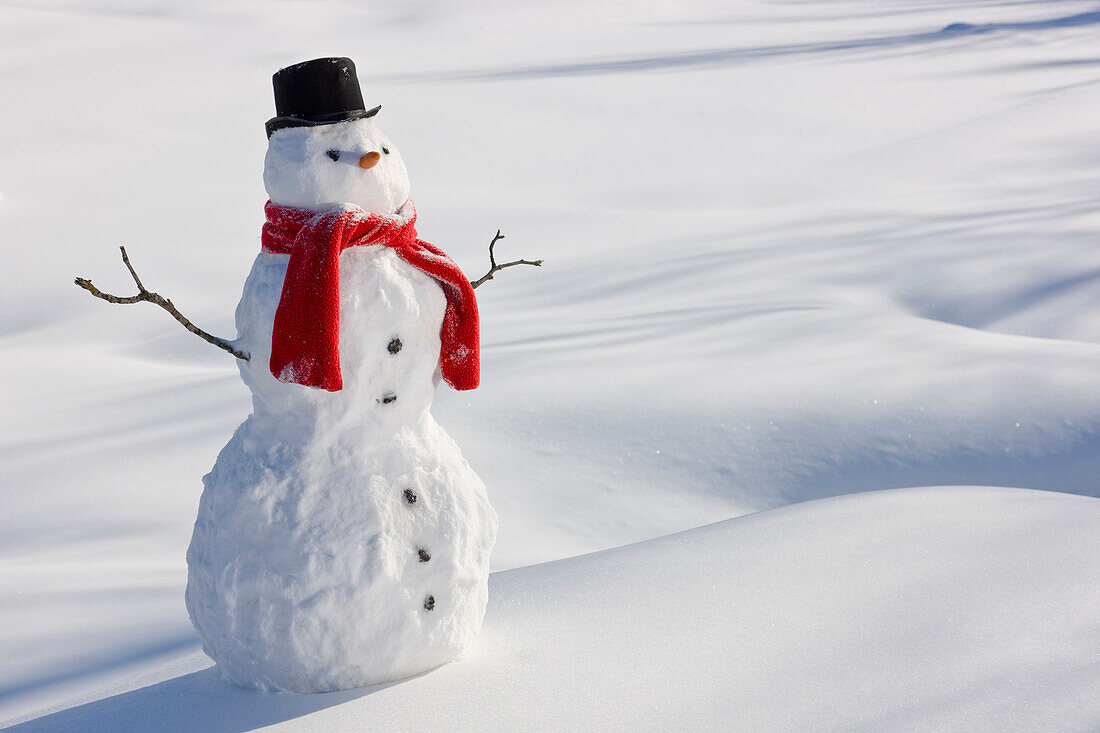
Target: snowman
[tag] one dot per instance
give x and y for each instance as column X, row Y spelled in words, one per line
column 341, row 539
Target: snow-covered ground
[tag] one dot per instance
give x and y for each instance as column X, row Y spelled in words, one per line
column 951, row 609
column 793, row 250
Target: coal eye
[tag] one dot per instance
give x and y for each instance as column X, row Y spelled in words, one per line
column 334, row 154
column 386, row 150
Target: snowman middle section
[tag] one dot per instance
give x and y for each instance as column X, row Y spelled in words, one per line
column 342, row 539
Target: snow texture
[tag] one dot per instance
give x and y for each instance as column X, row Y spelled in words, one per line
column 342, row 539
column 927, row 609
column 792, row 251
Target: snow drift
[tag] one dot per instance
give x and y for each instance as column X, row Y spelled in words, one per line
column 918, row 609
column 792, row 250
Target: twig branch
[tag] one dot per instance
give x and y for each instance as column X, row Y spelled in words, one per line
column 494, row 267
column 145, row 295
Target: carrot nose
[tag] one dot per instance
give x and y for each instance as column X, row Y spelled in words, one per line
column 368, row 160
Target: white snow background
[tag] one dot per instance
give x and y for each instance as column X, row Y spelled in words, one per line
column 795, row 251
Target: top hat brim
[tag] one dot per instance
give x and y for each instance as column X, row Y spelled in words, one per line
column 278, row 123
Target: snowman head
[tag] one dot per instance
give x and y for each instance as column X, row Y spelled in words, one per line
column 324, row 147
column 321, row 167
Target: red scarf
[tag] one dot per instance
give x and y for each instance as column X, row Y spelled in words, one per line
column 305, row 342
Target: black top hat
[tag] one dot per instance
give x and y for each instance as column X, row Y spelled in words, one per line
column 317, row 92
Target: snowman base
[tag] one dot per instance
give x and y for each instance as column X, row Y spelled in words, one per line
column 313, row 569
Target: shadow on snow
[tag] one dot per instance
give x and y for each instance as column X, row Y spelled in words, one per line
column 729, row 56
column 199, row 701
